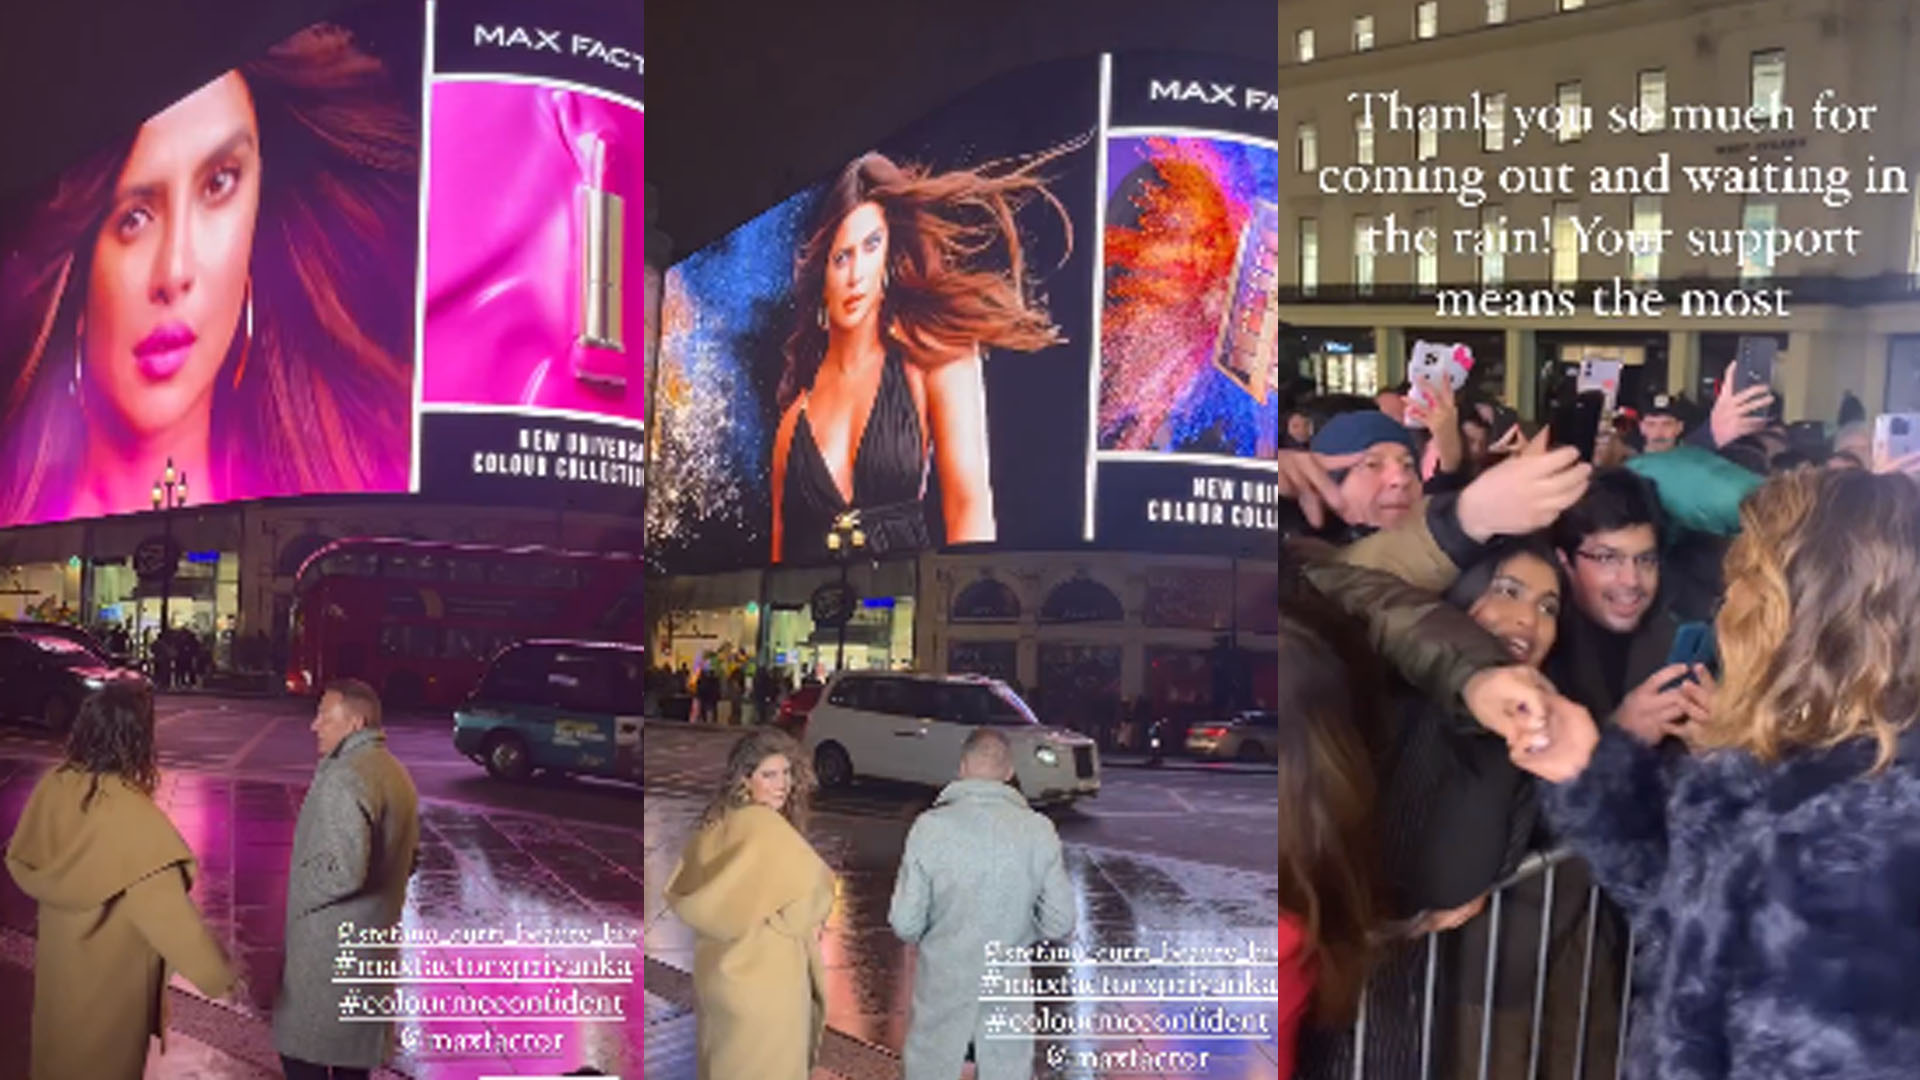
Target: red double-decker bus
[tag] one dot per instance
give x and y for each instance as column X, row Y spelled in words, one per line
column 420, row 620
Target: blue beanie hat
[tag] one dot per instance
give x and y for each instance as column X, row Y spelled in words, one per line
column 1353, row 432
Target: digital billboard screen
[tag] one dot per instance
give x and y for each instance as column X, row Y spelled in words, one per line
column 1184, row 379
column 948, row 336
column 236, row 286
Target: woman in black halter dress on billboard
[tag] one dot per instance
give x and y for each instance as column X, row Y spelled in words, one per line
column 883, row 378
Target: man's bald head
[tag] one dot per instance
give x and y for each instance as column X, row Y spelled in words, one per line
column 986, row 756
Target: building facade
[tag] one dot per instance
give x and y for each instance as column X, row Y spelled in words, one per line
column 1853, row 321
column 1079, row 632
column 236, row 577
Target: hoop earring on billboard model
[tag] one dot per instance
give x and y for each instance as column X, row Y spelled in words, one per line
column 246, row 343
column 79, row 354
column 820, row 315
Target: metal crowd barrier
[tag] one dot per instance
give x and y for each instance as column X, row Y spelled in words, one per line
column 1547, row 866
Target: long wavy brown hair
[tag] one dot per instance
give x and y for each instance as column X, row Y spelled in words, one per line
column 1329, row 879
column 939, row 300
column 1819, row 635
column 319, row 398
column 113, row 736
column 748, row 754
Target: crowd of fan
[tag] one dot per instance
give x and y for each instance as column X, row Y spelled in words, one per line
column 1486, row 649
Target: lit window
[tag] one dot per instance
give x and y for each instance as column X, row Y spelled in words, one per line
column 1427, row 263
column 1306, row 144
column 1303, row 45
column 1652, row 112
column 1427, row 139
column 1363, row 244
column 1913, row 255
column 1362, row 33
column 1572, row 115
column 1493, row 234
column 1758, row 217
column 1309, row 255
column 1493, row 133
column 1426, row 19
column 1496, row 12
column 1362, row 140
column 1572, row 5
column 1643, row 258
column 1566, row 243
column 1769, row 79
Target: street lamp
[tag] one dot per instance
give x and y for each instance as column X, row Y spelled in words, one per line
column 169, row 494
column 845, row 538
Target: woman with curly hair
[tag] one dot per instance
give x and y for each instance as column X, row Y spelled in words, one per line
column 1773, row 874
column 757, row 897
column 227, row 292
column 884, row 368
column 111, row 876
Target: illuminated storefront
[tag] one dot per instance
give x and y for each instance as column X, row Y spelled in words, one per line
column 1335, row 360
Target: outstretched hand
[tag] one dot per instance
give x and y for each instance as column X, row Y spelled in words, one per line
column 1511, row 702
column 1907, row 464
column 1563, row 752
column 1524, row 493
column 1737, row 415
column 1306, row 478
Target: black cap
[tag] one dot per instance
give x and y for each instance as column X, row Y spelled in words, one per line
column 1666, row 405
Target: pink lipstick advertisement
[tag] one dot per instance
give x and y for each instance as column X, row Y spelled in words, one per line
column 535, row 285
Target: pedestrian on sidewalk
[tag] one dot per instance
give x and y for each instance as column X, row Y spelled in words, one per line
column 758, row 897
column 960, row 895
column 707, row 693
column 354, row 847
column 111, row 876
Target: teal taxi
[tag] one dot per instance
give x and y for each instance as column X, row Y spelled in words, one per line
column 556, row 707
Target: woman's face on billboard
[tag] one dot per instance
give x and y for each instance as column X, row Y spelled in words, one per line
column 171, row 261
column 856, row 267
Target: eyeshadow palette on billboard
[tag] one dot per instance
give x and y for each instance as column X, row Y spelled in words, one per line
column 1183, row 380
column 242, row 284
column 1040, row 318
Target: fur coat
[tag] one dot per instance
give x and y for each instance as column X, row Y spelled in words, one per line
column 1776, row 909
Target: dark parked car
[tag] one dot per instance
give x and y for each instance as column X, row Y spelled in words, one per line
column 74, row 634
column 45, row 676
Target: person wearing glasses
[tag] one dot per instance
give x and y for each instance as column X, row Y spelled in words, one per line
column 1615, row 634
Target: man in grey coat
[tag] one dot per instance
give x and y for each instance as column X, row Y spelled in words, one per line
column 353, row 852
column 981, row 871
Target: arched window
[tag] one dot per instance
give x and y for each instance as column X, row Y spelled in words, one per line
column 986, row 600
column 1081, row 600
column 296, row 552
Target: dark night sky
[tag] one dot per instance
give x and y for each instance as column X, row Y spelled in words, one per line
column 748, row 101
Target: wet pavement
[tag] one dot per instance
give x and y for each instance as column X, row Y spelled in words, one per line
column 235, row 794
column 1214, row 895
column 1220, row 814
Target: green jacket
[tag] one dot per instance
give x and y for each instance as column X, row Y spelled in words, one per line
column 1699, row 490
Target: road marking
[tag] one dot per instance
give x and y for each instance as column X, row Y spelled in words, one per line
column 240, row 755
column 1182, row 800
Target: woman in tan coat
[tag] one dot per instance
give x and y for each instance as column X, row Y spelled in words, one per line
column 758, row 897
column 111, row 874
